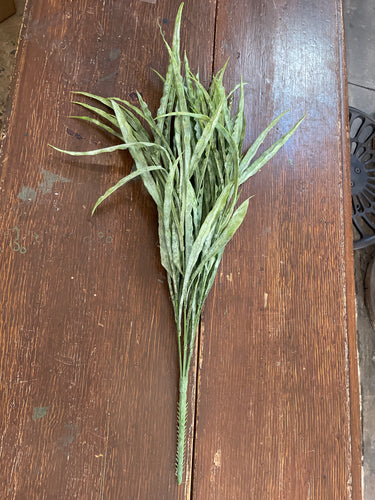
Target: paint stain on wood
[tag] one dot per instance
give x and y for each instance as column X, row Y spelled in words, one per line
column 40, row 412
column 67, row 437
column 114, row 54
column 49, row 179
column 28, row 194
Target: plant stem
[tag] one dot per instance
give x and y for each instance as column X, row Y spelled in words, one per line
column 181, row 427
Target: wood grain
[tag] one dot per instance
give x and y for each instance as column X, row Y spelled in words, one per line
column 88, row 359
column 273, row 414
column 89, row 370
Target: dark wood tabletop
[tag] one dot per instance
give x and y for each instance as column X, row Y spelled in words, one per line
column 88, row 356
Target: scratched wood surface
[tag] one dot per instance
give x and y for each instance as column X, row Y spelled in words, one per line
column 89, row 370
column 273, row 414
column 88, row 361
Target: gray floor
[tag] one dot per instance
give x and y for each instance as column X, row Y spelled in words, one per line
column 360, row 44
column 360, row 50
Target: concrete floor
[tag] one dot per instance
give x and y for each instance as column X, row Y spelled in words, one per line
column 360, row 45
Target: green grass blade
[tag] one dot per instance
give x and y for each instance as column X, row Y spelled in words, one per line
column 268, row 154
column 109, row 149
column 204, row 234
column 252, row 151
column 227, row 234
column 238, row 129
column 164, row 253
column 154, row 128
column 167, row 208
column 99, row 124
column 98, row 111
column 158, row 74
column 123, row 181
column 138, row 155
column 205, row 139
column 102, row 100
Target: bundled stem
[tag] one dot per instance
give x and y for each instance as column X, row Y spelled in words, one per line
column 181, row 427
column 190, row 160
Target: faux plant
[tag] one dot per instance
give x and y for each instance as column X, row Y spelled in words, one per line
column 190, row 160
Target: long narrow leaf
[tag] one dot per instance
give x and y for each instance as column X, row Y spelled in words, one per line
column 109, row 149
column 227, row 234
column 99, row 124
column 123, row 181
column 203, row 234
column 268, row 154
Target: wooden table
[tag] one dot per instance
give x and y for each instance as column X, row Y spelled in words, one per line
column 88, row 359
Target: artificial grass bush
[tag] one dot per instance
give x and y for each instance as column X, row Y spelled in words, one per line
column 190, row 160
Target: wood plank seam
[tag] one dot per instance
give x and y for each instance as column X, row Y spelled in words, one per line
column 353, row 386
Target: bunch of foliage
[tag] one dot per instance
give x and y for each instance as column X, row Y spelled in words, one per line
column 190, row 160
